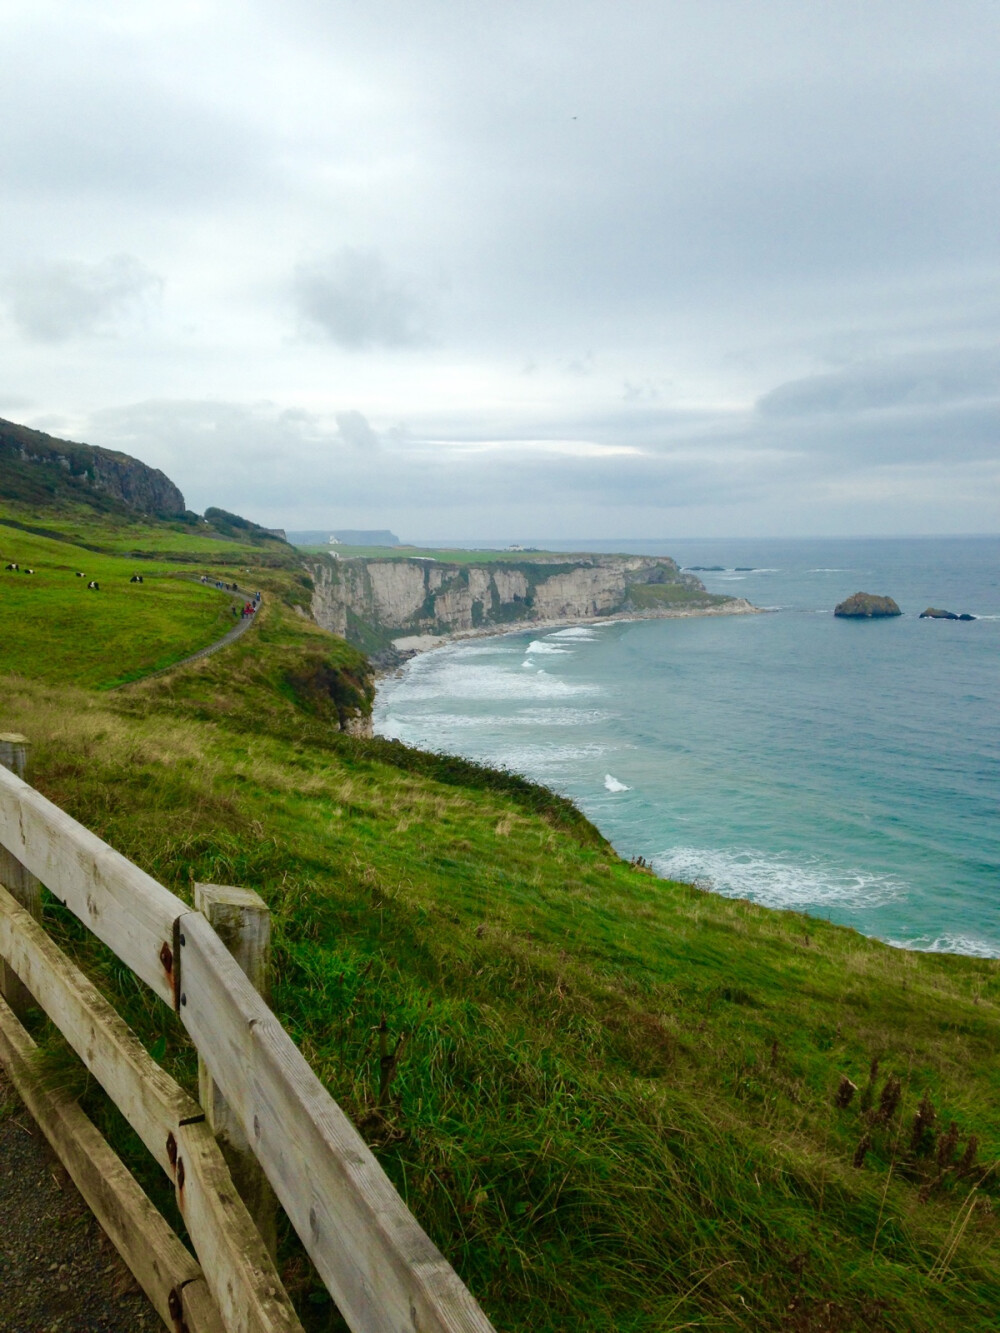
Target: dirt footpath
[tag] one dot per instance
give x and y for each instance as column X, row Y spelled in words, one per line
column 59, row 1273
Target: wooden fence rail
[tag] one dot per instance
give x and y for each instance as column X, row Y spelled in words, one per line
column 381, row 1269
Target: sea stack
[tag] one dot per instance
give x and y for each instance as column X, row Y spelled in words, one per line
column 867, row 606
column 935, row 613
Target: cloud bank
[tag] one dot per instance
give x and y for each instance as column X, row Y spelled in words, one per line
column 573, row 269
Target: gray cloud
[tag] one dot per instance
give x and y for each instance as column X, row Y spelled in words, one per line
column 354, row 301
column 767, row 235
column 57, row 300
column 353, row 429
column 928, row 380
column 107, row 114
column 294, row 469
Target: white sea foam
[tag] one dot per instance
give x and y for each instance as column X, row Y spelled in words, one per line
column 548, row 759
column 552, row 716
column 539, row 646
column 574, row 632
column 612, row 784
column 949, row 943
column 779, row 881
column 444, row 722
column 452, row 678
column 525, row 718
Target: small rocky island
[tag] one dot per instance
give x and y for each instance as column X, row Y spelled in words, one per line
column 935, row 613
column 867, row 606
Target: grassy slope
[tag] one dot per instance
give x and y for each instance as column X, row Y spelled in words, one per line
column 445, row 554
column 55, row 626
column 450, row 555
column 57, row 629
column 615, row 1105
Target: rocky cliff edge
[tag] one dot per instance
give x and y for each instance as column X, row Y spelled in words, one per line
column 371, row 602
column 34, row 461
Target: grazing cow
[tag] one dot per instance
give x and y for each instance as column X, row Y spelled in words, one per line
column 14, row 567
column 95, row 585
column 80, row 574
column 136, row 578
column 27, row 571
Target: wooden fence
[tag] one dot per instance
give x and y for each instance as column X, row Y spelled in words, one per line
column 279, row 1127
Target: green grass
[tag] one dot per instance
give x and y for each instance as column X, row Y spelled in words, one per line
column 56, row 629
column 451, row 555
column 654, row 596
column 123, row 532
column 615, row 1107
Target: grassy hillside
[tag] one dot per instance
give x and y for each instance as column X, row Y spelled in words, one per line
column 620, row 1102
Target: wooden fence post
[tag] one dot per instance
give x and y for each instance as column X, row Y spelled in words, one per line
column 242, row 921
column 16, row 878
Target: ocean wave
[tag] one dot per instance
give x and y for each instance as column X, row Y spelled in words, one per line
column 949, row 943
column 779, row 881
column 535, row 761
column 552, row 716
column 452, row 679
column 574, row 632
column 612, row 784
column 444, row 722
column 539, row 646
column 494, row 646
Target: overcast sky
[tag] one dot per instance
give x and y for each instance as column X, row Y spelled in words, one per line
column 505, row 269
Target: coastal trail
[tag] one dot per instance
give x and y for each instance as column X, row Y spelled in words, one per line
column 239, row 629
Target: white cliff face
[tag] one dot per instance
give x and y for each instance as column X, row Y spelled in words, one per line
column 510, row 584
column 588, row 592
column 329, row 608
column 424, row 597
column 398, row 588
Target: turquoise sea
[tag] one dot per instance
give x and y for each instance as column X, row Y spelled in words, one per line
column 847, row 769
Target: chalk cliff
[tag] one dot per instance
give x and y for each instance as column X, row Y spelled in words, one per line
column 372, row 602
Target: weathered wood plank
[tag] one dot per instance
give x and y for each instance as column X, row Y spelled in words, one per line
column 242, row 921
column 240, row 1272
column 14, row 753
column 380, row 1267
column 238, row 1267
column 167, row 1273
column 26, row 890
column 120, row 903
column 152, row 1103
column 15, row 877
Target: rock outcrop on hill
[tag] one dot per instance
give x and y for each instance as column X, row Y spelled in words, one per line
column 371, row 602
column 36, row 464
column 867, row 606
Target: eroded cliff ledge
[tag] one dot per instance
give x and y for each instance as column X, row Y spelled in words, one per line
column 371, row 602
